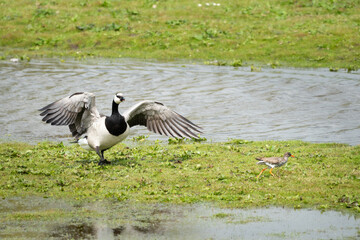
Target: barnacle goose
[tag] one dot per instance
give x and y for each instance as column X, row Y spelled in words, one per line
column 98, row 132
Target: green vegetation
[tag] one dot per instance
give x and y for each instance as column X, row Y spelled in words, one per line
column 301, row 33
column 323, row 176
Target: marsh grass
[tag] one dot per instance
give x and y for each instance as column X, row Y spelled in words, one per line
column 324, row 176
column 289, row 33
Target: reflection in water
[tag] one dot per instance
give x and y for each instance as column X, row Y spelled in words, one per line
column 74, row 231
column 118, row 220
column 281, row 104
column 85, row 231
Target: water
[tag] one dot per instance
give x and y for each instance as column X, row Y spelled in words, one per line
column 108, row 220
column 313, row 105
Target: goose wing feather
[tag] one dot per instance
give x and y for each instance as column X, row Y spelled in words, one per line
column 161, row 120
column 78, row 111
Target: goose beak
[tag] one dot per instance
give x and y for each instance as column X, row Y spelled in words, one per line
column 292, row 156
column 122, row 99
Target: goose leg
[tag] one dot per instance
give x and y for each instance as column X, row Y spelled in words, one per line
column 104, row 160
column 101, row 155
column 261, row 172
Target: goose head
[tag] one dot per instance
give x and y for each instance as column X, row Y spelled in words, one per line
column 118, row 98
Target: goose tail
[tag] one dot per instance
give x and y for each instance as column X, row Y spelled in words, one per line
column 83, row 143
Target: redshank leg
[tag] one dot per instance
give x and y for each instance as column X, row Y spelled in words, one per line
column 261, row 172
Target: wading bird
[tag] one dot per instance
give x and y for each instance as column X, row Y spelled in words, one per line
column 272, row 162
column 97, row 132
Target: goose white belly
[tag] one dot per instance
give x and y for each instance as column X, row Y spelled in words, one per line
column 98, row 135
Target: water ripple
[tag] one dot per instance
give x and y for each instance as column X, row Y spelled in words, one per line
column 308, row 104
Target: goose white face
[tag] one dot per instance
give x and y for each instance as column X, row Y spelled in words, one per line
column 118, row 98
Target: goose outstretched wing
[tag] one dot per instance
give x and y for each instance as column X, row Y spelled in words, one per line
column 160, row 119
column 78, row 111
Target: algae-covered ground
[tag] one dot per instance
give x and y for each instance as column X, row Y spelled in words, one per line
column 300, row 33
column 323, row 176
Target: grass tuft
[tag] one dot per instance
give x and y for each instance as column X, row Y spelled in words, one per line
column 287, row 33
column 323, row 176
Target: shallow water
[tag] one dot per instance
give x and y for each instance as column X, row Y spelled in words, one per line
column 313, row 105
column 109, row 220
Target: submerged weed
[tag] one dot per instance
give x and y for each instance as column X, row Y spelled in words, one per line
column 352, row 68
column 237, row 63
column 222, row 215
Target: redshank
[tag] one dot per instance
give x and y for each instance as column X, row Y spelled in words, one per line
column 272, row 162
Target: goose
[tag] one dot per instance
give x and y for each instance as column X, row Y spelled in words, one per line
column 94, row 131
column 272, row 162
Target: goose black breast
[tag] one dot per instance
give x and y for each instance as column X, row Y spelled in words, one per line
column 115, row 124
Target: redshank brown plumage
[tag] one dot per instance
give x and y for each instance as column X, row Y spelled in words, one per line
column 273, row 162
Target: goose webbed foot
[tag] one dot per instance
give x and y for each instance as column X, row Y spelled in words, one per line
column 104, row 162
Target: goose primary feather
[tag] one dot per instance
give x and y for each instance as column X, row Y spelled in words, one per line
column 99, row 132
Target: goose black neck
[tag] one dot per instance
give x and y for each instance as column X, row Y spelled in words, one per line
column 115, row 108
column 115, row 124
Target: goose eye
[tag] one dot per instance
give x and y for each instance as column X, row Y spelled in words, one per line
column 116, row 99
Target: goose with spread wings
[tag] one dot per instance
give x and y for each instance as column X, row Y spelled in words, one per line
column 98, row 132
